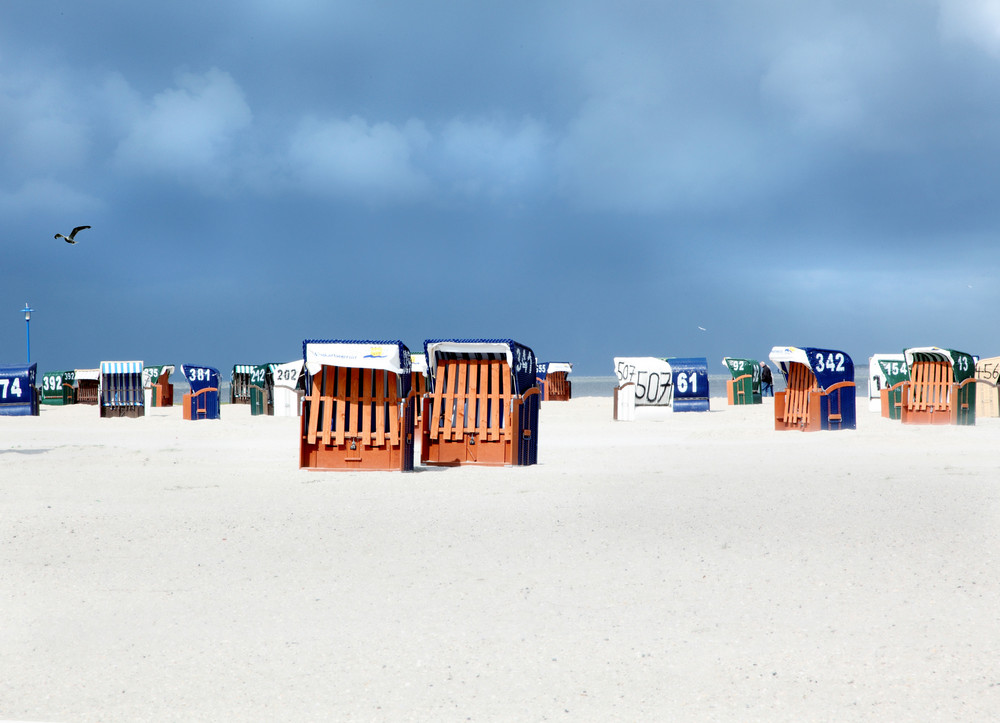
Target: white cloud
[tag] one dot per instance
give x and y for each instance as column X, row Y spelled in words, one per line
column 356, row 159
column 977, row 21
column 815, row 81
column 485, row 158
column 47, row 197
column 634, row 153
column 45, row 123
column 191, row 131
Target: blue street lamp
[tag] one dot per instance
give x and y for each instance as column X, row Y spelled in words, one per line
column 27, row 327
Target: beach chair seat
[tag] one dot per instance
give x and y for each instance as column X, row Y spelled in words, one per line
column 940, row 388
column 58, row 387
column 122, row 393
column 287, row 391
column 88, row 386
column 203, row 401
column 239, row 383
column 479, row 411
column 262, row 390
column 359, row 412
column 157, row 382
column 819, row 390
column 553, row 381
column 987, row 398
column 794, row 406
column 744, row 387
column 418, row 387
column 557, row 387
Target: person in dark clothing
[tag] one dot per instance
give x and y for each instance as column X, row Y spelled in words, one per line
column 766, row 381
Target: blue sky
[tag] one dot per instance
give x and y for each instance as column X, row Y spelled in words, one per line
column 590, row 179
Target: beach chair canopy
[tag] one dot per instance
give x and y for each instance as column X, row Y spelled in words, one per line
column 829, row 366
column 963, row 365
column 260, row 374
column 87, row 375
column 53, row 382
column 151, row 373
column 287, row 375
column 121, row 367
column 389, row 355
column 520, row 358
column 17, row 390
column 200, row 377
column 555, row 367
column 884, row 371
column 651, row 376
column 741, row 367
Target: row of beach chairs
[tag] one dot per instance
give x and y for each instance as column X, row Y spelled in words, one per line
column 361, row 410
column 362, row 407
column 923, row 385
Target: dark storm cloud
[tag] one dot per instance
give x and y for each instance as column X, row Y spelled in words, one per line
column 643, row 166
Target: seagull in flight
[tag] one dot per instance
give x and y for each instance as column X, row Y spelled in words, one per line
column 71, row 238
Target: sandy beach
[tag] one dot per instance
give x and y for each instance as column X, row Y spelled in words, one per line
column 689, row 567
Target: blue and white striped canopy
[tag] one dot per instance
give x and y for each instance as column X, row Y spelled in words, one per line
column 121, row 367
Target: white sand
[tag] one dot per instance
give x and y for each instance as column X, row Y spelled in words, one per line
column 701, row 567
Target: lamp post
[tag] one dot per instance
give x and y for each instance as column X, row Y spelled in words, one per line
column 27, row 327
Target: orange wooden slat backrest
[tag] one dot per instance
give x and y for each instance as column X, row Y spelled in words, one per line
column 350, row 404
column 471, row 396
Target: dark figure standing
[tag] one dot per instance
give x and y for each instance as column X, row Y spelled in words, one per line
column 766, row 381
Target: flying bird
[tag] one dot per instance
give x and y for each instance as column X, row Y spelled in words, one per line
column 71, row 238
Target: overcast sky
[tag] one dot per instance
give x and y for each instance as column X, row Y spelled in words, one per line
column 589, row 179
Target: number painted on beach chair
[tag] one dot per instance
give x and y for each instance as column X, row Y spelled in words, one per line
column 10, row 388
column 651, row 376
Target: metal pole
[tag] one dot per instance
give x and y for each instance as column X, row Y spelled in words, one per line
column 27, row 327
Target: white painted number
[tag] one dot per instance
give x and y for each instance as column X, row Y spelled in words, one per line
column 831, row 363
column 10, row 388
column 686, row 381
column 199, row 374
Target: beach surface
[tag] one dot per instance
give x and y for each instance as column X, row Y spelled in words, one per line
column 695, row 566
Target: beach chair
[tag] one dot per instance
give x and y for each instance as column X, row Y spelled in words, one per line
column 482, row 407
column 88, row 386
column 820, row 389
column 203, row 401
column 744, row 387
column 262, row 390
column 941, row 388
column 121, row 393
column 239, row 384
column 58, row 387
column 358, row 411
column 418, row 387
column 886, row 374
column 643, row 381
column 988, row 376
column 18, row 396
column 287, row 390
column 156, row 382
column 553, row 382
column 689, row 378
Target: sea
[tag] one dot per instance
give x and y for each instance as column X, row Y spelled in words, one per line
column 592, row 386
column 605, row 386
